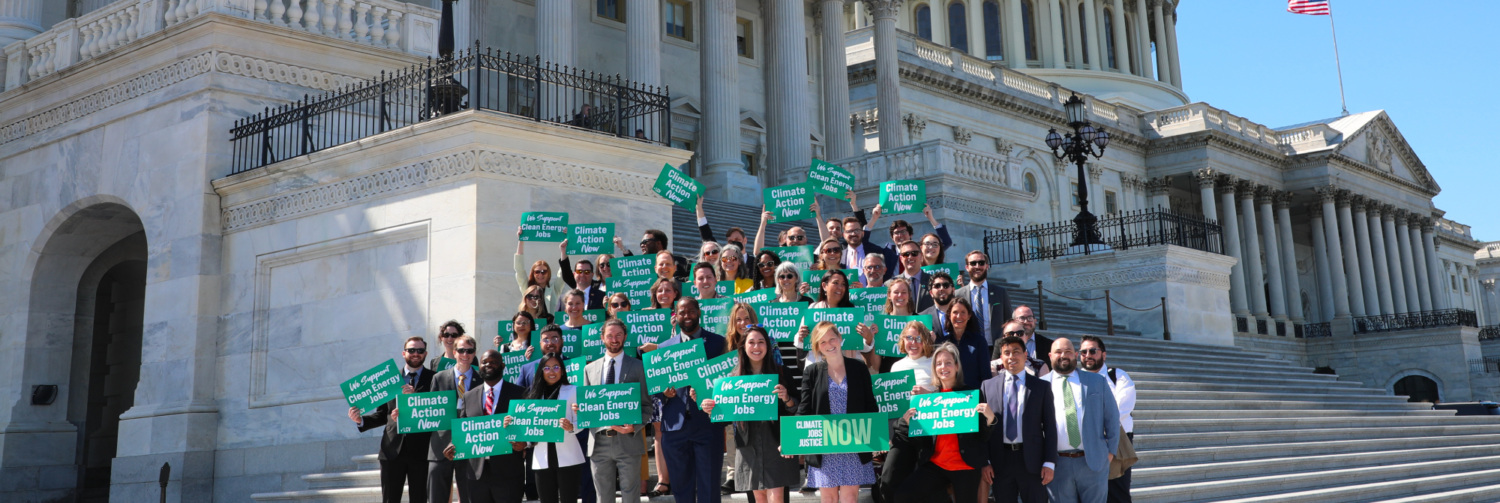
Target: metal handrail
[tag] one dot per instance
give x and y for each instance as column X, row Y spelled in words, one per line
column 1415, row 320
column 1147, row 227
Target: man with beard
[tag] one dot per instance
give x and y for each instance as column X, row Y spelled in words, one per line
column 1035, row 344
column 911, row 265
column 987, row 301
column 1123, row 386
column 492, row 479
column 459, row 380
column 615, row 451
column 403, row 459
column 1088, row 429
column 855, row 247
column 939, row 296
column 1023, row 451
column 694, row 446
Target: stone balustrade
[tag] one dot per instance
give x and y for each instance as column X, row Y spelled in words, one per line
column 928, row 158
column 1202, row 117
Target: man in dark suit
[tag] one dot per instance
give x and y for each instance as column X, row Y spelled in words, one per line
column 615, row 451
column 991, row 304
column 909, row 254
column 1023, row 452
column 856, row 247
column 403, row 458
column 694, row 446
column 939, row 296
column 581, row 277
column 493, row 479
column 459, row 379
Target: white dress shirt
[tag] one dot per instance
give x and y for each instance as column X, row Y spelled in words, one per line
column 1124, row 388
column 1021, row 412
column 920, row 367
column 569, row 453
column 1062, row 412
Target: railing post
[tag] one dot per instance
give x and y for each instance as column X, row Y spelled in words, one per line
column 619, row 109
column 536, row 97
column 1166, row 332
column 306, row 132
column 1041, row 308
column 1109, row 315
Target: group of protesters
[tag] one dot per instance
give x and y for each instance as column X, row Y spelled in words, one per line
column 1053, row 419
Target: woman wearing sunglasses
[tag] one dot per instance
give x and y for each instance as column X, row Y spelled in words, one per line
column 533, row 302
column 539, row 274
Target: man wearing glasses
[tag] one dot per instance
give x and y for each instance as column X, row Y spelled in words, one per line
column 987, row 301
column 1092, row 354
column 654, row 241
column 403, row 457
column 583, row 280
column 911, row 264
column 901, row 232
column 941, row 295
column 855, row 246
column 459, row 379
column 1035, row 344
column 872, row 275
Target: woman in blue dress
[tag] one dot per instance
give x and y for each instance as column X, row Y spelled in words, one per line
column 836, row 385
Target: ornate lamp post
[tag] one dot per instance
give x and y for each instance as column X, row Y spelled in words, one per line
column 1076, row 147
column 446, row 94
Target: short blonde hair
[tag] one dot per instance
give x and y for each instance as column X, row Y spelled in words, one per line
column 466, row 338
column 958, row 366
column 921, row 329
column 824, row 330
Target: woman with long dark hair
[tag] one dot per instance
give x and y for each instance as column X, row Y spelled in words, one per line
column 766, row 262
column 758, row 464
column 521, row 327
column 556, row 464
column 961, row 330
column 833, row 292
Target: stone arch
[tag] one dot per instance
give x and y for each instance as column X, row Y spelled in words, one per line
column 1390, row 383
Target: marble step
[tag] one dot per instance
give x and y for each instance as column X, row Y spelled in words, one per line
column 1242, row 424
column 1140, row 352
column 1308, row 379
column 1220, row 462
column 1190, row 367
column 371, row 494
column 1397, row 486
column 1360, row 483
column 1210, row 405
column 1200, row 351
column 1200, row 387
column 1210, row 414
column 1237, row 438
column 1487, row 492
column 1329, row 400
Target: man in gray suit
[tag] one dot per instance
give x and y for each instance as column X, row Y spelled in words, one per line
column 1088, row 429
column 615, row 452
column 459, row 379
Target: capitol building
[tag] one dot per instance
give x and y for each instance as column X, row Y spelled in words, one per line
column 214, row 211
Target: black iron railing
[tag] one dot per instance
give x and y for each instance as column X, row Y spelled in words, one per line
column 1485, row 366
column 1148, row 227
column 1316, row 330
column 1489, row 333
column 1416, row 320
column 506, row 83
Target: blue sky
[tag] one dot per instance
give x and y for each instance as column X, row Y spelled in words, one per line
column 1430, row 65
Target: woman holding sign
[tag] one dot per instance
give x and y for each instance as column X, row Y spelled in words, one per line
column 837, row 385
column 951, row 459
column 963, row 333
column 758, row 465
column 521, row 327
column 540, row 275
column 556, row 464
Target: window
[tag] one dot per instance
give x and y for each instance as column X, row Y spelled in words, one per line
column 1109, row 39
column 994, row 48
column 1454, row 280
column 610, row 9
column 1073, row 191
column 958, row 27
column 924, row 22
column 690, row 167
column 1083, row 34
column 678, row 15
column 744, row 38
column 1028, row 28
column 1028, row 183
column 748, row 161
column 1110, row 203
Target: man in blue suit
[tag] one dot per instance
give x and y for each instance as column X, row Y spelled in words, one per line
column 1088, row 429
column 1023, row 445
column 695, row 446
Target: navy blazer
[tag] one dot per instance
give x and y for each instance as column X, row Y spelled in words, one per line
column 1038, row 420
column 681, row 413
column 973, row 355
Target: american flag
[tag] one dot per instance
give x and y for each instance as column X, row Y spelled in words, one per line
column 1313, row 7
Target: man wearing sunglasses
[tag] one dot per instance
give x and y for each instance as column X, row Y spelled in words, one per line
column 459, row 380
column 654, row 241
column 584, row 279
column 987, row 300
column 1091, row 353
column 910, row 254
column 403, row 457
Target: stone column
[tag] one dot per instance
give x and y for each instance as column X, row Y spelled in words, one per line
column 789, row 133
column 1264, row 197
column 1059, row 57
column 1408, row 266
column 1075, row 42
column 1351, row 256
column 1142, row 40
column 724, row 178
column 1254, row 273
column 1163, row 63
column 1418, row 260
column 1091, row 19
column 1366, row 262
column 1382, row 265
column 975, row 18
column 835, row 81
column 1320, row 262
column 1172, row 49
column 1337, row 277
column 887, row 81
column 643, row 31
column 1122, row 44
column 554, row 32
column 19, row 20
column 1014, row 34
column 1434, row 271
column 1291, row 282
column 1393, row 255
column 1231, row 233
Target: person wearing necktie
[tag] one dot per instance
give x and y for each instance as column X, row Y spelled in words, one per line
column 1088, row 428
column 403, row 462
column 991, row 304
column 1023, row 453
column 458, row 380
column 492, row 479
column 615, row 451
column 694, row 446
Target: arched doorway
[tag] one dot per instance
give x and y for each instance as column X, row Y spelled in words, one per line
column 1417, row 389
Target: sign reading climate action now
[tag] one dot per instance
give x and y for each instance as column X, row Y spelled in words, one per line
column 788, row 202
column 845, row 433
column 845, row 318
column 537, row 420
column 373, row 387
column 955, row 272
column 588, row 239
column 945, row 413
column 745, row 398
column 826, row 178
column 633, row 275
column 649, row 326
column 781, row 319
column 677, row 187
column 609, row 405
column 480, row 437
column 574, row 368
column 673, row 366
column 903, row 196
column 513, row 362
column 893, row 391
column 544, row 226
column 423, row 412
column 888, row 332
column 717, row 368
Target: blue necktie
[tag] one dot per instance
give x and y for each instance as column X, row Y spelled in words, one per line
column 1012, row 422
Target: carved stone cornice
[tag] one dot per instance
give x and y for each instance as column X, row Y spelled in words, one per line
column 1283, row 200
column 1245, row 189
column 1357, row 203
column 883, row 8
column 1270, row 157
column 1265, row 195
column 1014, row 216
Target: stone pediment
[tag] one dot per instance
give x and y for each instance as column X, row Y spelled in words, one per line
column 1372, row 139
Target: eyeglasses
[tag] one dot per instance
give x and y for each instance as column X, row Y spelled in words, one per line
column 786, row 276
column 645, row 242
column 711, row 252
column 447, row 335
column 930, row 243
column 618, row 305
column 911, row 338
column 833, row 251
column 766, row 265
column 533, row 297
column 1089, row 351
column 1026, row 318
column 798, row 239
column 936, row 286
column 416, row 351
column 552, row 368
column 910, row 254
column 875, row 267
column 465, row 351
column 1016, row 333
column 539, row 271
column 977, row 263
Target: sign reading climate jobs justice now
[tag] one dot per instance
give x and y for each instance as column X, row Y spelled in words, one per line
column 537, row 420
column 677, row 187
column 893, row 391
column 845, row 433
column 544, row 226
column 609, row 405
column 369, row 389
column 845, row 318
column 826, row 178
column 480, row 437
column 588, row 239
column 945, row 413
column 903, row 196
column 789, row 202
column 673, row 366
column 423, row 412
column 745, row 398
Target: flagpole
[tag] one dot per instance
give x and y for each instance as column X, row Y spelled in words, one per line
column 1339, row 66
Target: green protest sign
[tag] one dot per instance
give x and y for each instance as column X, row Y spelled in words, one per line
column 595, row 315
column 537, row 420
column 369, row 389
column 746, row 398
column 872, row 300
column 717, row 368
column 649, row 326
column 445, row 363
column 955, row 271
column 609, row 405
column 675, row 186
column 633, row 266
column 479, row 437
column 715, row 314
column 544, row 226
column 781, row 319
column 589, row 239
column 508, row 327
column 845, row 433
column 590, row 344
column 945, row 413
column 826, row 178
column 888, row 332
column 634, row 276
column 845, row 318
column 574, row 368
column 761, row 296
column 788, row 202
column 573, row 339
column 814, row 280
column 903, row 196
column 513, row 362
column 423, row 412
column 721, row 289
column 800, row 256
column 893, row 391
column 672, row 366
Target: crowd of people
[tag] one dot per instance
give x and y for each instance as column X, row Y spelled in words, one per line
column 1054, row 421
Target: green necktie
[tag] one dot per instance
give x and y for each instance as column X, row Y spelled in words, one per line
column 1071, row 416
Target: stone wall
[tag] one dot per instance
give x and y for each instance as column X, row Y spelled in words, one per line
column 1380, row 359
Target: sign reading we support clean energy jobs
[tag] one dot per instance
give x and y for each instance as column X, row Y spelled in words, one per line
column 677, row 187
column 745, row 398
column 845, row 433
column 673, row 366
column 609, row 405
column 893, row 391
column 479, row 437
column 828, row 179
column 789, row 202
column 537, row 420
column 373, row 387
column 424, row 412
column 945, row 413
column 544, row 226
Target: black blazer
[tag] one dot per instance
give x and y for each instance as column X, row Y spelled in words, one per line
column 497, row 466
column 444, row 381
column 596, row 290
column 815, row 396
column 742, row 435
column 973, row 447
column 411, row 446
column 1038, row 420
column 999, row 301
